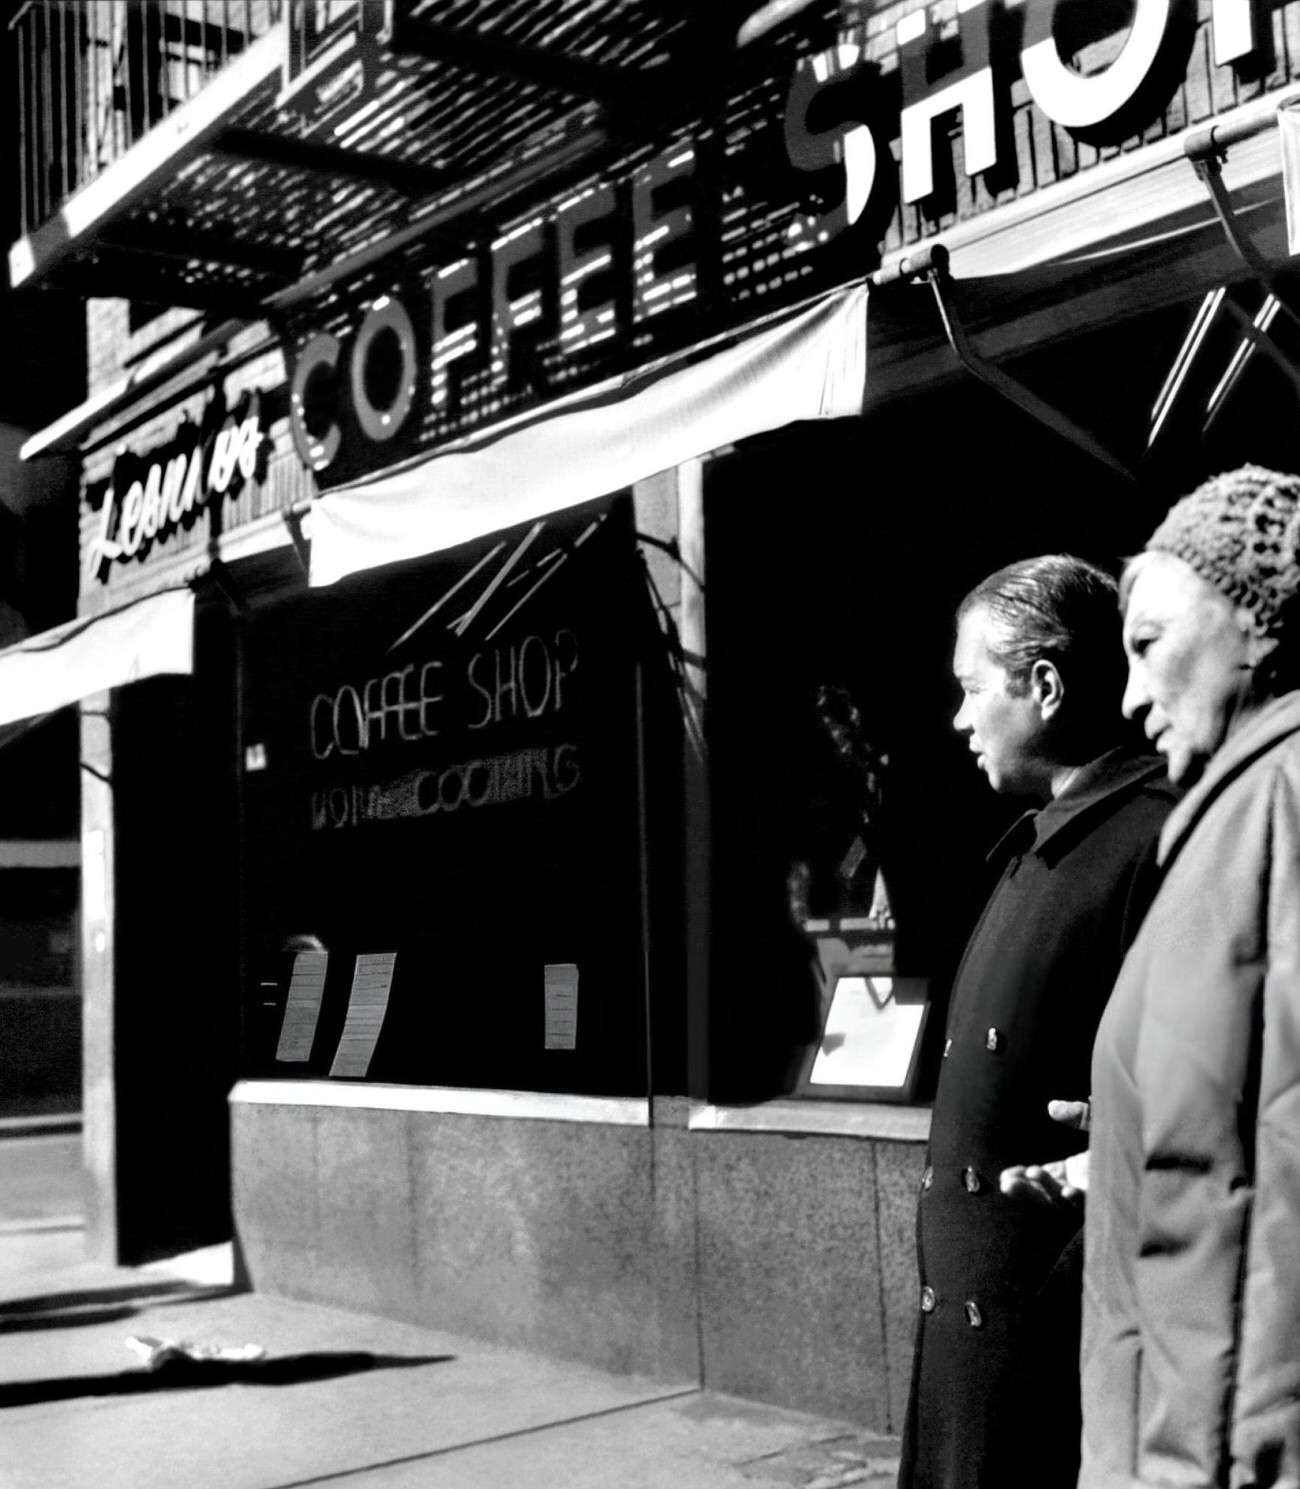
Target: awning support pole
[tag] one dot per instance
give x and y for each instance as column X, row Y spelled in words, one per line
column 293, row 522
column 1207, row 150
column 1187, row 354
column 931, row 265
column 221, row 581
column 1206, row 154
column 1255, row 337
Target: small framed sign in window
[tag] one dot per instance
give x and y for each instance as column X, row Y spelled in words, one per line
column 872, row 1021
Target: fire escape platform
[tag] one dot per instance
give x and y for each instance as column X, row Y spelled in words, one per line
column 286, row 161
column 162, row 157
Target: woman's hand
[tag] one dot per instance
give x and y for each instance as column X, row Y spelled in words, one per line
column 1048, row 1185
column 1053, row 1185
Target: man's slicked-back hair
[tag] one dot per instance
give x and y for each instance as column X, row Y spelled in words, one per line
column 1063, row 610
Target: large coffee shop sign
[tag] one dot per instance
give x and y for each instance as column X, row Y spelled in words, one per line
column 354, row 389
column 1105, row 106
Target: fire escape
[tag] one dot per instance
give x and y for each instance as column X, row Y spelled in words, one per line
column 237, row 155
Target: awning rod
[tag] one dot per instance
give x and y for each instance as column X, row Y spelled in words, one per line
column 1206, row 149
column 931, row 265
column 1209, row 168
column 1214, row 139
column 1255, row 338
column 1187, row 354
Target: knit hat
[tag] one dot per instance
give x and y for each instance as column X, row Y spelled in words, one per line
column 1241, row 532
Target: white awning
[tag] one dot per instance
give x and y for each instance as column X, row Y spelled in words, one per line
column 1288, row 119
column 807, row 364
column 88, row 655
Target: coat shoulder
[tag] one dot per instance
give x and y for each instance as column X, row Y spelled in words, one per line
column 1153, row 800
column 1137, row 815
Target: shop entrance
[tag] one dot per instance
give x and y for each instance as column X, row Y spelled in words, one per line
column 177, row 950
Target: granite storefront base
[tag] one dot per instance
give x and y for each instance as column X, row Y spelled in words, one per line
column 760, row 1261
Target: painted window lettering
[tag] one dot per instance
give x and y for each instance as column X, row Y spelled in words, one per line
column 520, row 680
column 542, row 773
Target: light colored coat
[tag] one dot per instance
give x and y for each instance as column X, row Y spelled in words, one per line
column 1191, row 1344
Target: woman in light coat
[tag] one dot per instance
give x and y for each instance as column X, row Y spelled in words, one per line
column 1191, row 1345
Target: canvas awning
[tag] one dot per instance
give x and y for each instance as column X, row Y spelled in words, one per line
column 810, row 363
column 146, row 638
column 1288, row 120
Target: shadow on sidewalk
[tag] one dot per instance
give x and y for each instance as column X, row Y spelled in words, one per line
column 186, row 1375
column 74, row 1310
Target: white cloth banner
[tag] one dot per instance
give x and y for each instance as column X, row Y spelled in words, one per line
column 87, row 655
column 1288, row 126
column 809, row 364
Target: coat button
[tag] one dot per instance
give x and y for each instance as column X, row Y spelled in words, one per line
column 947, row 1045
column 928, row 1300
column 974, row 1316
column 972, row 1181
column 927, row 1178
column 993, row 1040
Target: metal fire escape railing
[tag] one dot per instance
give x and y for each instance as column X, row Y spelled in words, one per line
column 210, row 153
column 93, row 79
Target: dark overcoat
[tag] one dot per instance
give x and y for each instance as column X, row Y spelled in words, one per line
column 995, row 1385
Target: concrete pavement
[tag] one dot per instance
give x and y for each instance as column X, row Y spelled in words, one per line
column 40, row 1174
column 347, row 1399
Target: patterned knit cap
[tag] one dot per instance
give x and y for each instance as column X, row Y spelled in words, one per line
column 1241, row 532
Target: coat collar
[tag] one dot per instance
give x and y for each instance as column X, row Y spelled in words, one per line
column 1274, row 722
column 1098, row 786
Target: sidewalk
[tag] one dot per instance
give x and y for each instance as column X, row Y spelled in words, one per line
column 346, row 1399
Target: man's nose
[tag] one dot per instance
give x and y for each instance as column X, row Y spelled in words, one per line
column 1136, row 695
column 960, row 722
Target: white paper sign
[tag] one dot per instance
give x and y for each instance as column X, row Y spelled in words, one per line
column 372, row 981
column 869, row 1038
column 302, row 1007
column 562, row 1006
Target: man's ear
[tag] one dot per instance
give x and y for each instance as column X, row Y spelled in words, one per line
column 1046, row 688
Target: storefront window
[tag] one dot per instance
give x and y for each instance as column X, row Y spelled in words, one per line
column 444, row 823
column 850, row 822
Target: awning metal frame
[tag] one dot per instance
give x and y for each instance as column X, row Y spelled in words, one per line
column 1207, row 149
column 930, row 266
column 1255, row 337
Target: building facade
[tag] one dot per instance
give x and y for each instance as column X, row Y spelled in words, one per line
column 532, row 458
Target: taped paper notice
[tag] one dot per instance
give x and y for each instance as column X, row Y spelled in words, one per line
column 371, row 983
column 562, row 1006
column 302, row 1007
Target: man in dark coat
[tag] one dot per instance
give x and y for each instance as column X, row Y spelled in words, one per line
column 995, row 1388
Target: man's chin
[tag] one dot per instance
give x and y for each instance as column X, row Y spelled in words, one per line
column 1003, row 786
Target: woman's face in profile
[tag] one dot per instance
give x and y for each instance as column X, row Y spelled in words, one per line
column 1188, row 659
